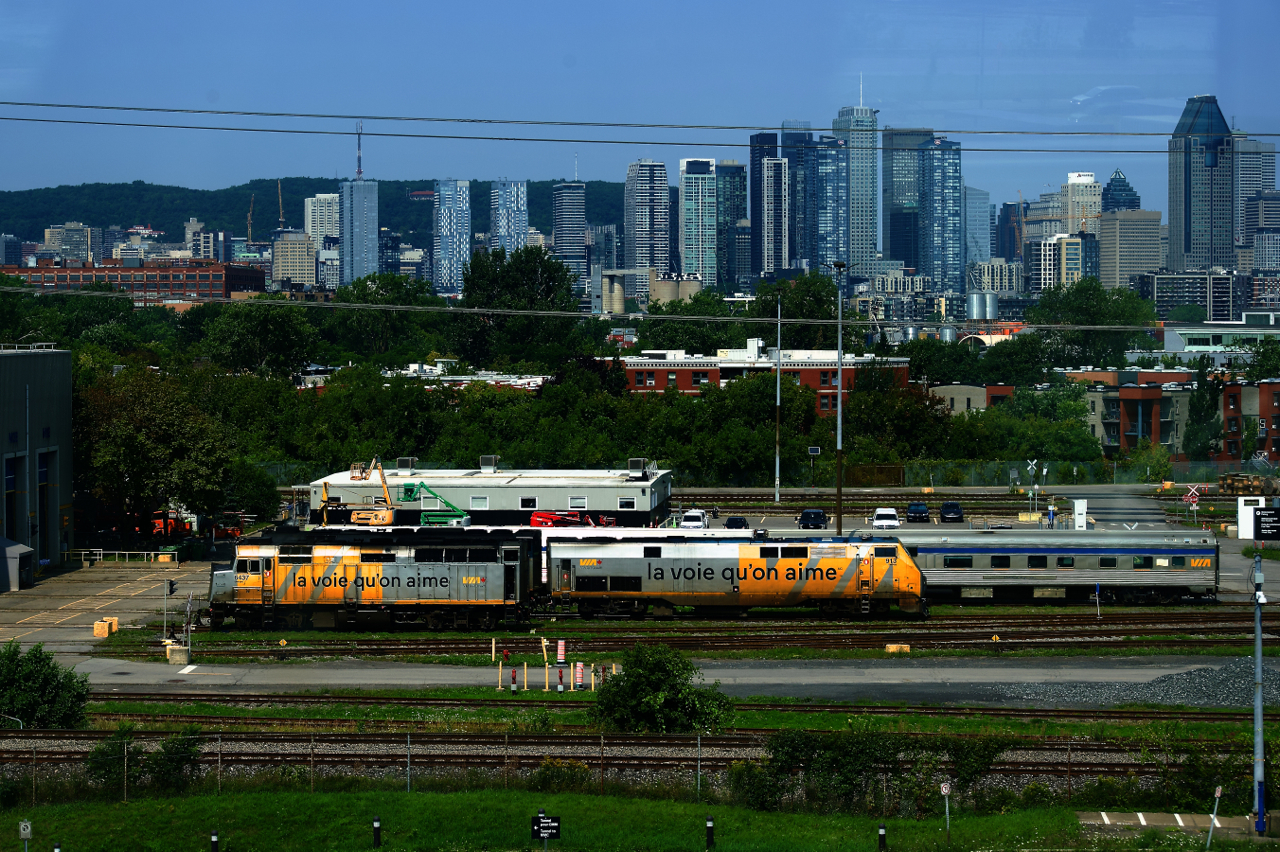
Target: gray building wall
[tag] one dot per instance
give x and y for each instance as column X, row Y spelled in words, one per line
column 35, row 450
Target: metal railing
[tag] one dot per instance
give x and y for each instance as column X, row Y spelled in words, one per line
column 90, row 555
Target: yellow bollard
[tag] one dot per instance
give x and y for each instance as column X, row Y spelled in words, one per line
column 499, row 678
column 615, row 669
column 526, row 677
column 546, row 684
column 493, row 649
column 593, row 678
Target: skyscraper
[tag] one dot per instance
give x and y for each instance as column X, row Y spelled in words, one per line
column 1201, row 188
column 358, row 228
column 1081, row 202
column 1119, row 195
column 856, row 127
column 763, row 145
column 569, row 215
column 1129, row 244
column 508, row 215
column 645, row 211
column 941, row 232
column 322, row 217
column 826, row 202
column 452, row 221
column 900, row 168
column 1255, row 172
column 796, row 141
column 698, row 219
column 977, row 225
column 1008, row 238
column 775, row 197
column 602, row 251
column 731, row 208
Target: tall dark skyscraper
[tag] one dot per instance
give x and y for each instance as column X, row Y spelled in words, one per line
column 731, row 208
column 763, row 146
column 569, row 211
column 1006, row 233
column 1201, row 188
column 826, row 203
column 1119, row 195
column 646, row 210
column 795, row 149
column 941, row 214
column 900, row 193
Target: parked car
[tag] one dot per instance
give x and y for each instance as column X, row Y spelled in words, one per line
column 694, row 519
column 885, row 519
column 812, row 519
column 950, row 513
column 917, row 513
column 737, row 522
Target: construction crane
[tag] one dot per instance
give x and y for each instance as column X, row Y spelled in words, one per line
column 280, row 198
column 250, row 217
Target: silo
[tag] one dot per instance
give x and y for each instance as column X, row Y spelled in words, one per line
column 975, row 305
column 613, row 298
column 689, row 288
column 947, row 334
column 992, row 305
column 664, row 290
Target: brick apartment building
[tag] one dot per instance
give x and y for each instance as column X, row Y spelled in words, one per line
column 656, row 370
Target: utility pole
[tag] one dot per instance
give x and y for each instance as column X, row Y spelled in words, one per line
column 1259, row 599
column 777, row 411
column 839, row 265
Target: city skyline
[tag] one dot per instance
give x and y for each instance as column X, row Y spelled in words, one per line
column 965, row 66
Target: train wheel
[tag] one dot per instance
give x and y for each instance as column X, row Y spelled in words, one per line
column 488, row 621
column 435, row 620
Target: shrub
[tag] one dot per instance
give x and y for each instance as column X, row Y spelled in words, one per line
column 655, row 692
column 172, row 766
column 106, row 763
column 560, row 776
column 35, row 688
column 756, row 785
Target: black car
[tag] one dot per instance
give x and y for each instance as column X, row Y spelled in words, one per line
column 917, row 513
column 737, row 522
column 950, row 513
column 812, row 519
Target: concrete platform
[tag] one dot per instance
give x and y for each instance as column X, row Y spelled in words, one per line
column 1199, row 823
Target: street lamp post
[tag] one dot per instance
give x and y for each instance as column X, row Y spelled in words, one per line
column 837, row 268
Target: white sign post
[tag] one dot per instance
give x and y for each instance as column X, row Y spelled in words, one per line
column 946, row 798
column 1217, row 797
column 1080, row 514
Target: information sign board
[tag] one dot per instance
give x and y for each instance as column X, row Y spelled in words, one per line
column 1266, row 524
column 546, row 828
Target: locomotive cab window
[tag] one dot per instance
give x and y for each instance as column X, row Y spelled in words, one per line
column 1037, row 562
column 768, row 553
column 913, row 552
column 1066, row 562
column 957, row 562
column 886, row 553
column 1106, row 562
column 795, row 553
column 511, row 555
column 248, row 566
column 1142, row 563
column 999, row 561
column 653, row 553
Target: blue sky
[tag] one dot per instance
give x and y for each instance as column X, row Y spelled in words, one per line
column 948, row 64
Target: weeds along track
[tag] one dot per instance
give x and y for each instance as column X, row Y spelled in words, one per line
column 1168, row 631
column 1020, row 713
column 505, row 752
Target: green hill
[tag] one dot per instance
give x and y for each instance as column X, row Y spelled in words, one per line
column 26, row 213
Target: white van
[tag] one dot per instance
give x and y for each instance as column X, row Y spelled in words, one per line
column 694, row 519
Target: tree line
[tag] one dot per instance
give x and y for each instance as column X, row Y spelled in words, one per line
column 201, row 408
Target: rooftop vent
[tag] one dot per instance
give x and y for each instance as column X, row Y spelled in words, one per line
column 638, row 469
column 489, row 464
column 406, row 463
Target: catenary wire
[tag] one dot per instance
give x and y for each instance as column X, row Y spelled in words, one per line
column 511, row 312
column 478, row 138
column 554, row 123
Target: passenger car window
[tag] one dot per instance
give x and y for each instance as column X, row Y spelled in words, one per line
column 1106, row 562
column 1000, row 562
column 1066, row 562
column 1037, row 562
column 957, row 562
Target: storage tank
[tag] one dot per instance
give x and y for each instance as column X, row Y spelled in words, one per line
column 975, row 305
column 613, row 298
column 664, row 290
column 910, row 333
column 992, row 305
column 947, row 334
column 689, row 288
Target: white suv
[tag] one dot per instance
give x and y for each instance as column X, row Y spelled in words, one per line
column 694, row 519
column 885, row 519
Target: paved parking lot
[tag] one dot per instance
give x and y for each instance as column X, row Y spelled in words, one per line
column 60, row 611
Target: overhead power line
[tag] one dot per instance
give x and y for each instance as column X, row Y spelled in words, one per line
column 511, row 312
column 553, row 123
column 480, row 138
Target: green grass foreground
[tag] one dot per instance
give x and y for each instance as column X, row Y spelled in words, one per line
column 499, row 820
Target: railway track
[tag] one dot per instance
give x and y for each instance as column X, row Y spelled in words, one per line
column 1021, row 713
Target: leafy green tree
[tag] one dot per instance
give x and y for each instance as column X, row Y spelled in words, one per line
column 250, row 489
column 1088, row 303
column 940, row 363
column 141, row 443
column 1021, row 361
column 1150, row 461
column 107, row 764
column 885, row 422
column 377, row 333
column 1264, row 359
column 1203, row 435
column 695, row 337
column 655, row 692
column 530, row 279
column 35, row 688
column 1187, row 313
column 811, row 296
column 260, row 337
column 173, row 766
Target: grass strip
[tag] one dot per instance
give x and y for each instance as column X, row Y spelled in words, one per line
column 500, row 820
